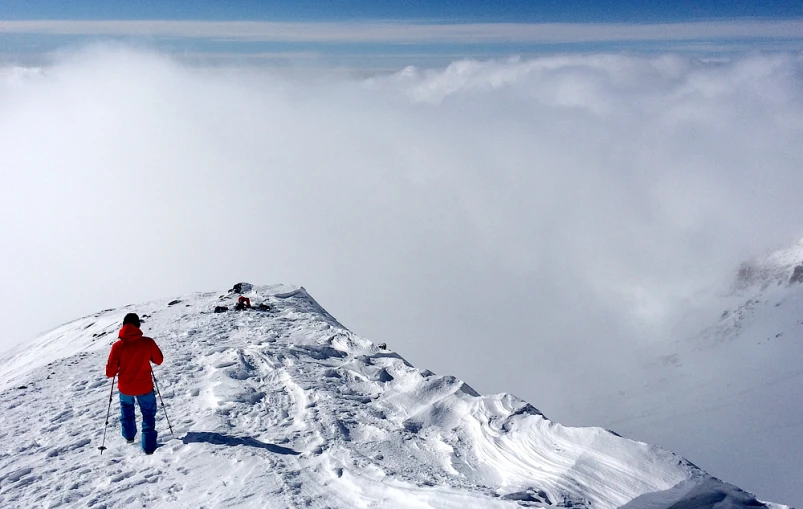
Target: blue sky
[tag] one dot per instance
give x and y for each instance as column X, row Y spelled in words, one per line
column 382, row 34
column 443, row 10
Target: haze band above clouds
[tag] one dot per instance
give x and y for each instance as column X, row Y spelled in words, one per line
column 410, row 33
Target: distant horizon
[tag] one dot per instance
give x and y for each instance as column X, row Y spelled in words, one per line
column 392, row 43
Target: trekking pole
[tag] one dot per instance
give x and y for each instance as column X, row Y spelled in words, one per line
column 160, row 399
column 108, row 412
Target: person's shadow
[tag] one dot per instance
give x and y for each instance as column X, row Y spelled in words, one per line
column 210, row 437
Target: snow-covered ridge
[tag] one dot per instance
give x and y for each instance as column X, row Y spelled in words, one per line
column 762, row 284
column 725, row 392
column 784, row 266
column 287, row 408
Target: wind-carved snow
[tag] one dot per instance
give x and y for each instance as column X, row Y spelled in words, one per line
column 287, row 408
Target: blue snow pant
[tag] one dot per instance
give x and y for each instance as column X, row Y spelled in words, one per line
column 147, row 405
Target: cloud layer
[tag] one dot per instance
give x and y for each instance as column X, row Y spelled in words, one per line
column 525, row 225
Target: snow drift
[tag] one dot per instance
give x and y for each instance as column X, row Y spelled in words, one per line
column 287, row 408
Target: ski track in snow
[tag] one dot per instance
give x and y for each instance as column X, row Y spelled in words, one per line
column 287, row 408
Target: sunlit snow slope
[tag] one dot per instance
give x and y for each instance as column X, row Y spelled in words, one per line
column 287, row 408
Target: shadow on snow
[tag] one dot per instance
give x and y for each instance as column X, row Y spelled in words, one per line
column 223, row 439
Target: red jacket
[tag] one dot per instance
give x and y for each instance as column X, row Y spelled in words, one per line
column 131, row 359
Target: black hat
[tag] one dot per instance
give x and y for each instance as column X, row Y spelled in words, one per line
column 131, row 318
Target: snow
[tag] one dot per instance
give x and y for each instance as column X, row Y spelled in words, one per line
column 287, row 408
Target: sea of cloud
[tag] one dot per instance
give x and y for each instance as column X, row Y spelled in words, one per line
column 527, row 225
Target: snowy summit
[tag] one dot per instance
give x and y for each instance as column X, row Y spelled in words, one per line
column 281, row 406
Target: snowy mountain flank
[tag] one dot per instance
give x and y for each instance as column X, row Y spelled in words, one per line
column 733, row 390
column 285, row 408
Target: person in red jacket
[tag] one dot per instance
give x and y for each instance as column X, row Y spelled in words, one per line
column 130, row 360
column 242, row 303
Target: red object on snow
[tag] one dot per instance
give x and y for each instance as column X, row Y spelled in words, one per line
column 244, row 300
column 131, row 359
